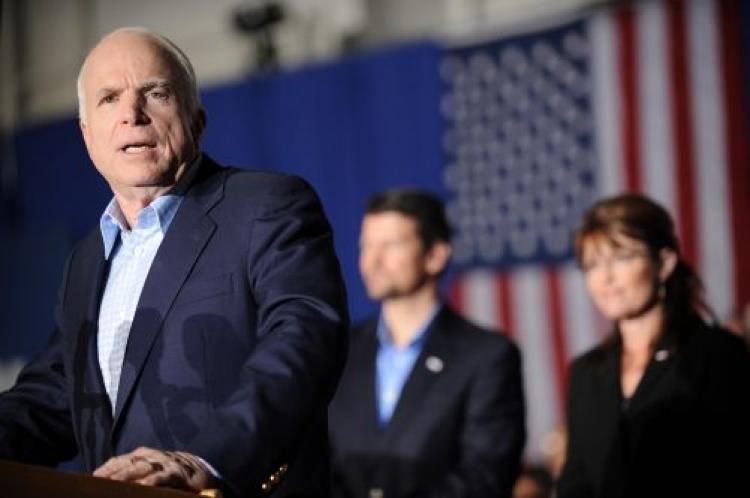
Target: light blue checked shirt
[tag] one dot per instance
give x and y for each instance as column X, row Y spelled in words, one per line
column 130, row 253
column 393, row 365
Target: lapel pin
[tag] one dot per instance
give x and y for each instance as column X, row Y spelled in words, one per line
column 661, row 355
column 434, row 364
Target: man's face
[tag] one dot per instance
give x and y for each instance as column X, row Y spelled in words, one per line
column 136, row 128
column 392, row 260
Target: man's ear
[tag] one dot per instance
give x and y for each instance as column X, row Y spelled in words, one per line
column 667, row 263
column 84, row 132
column 437, row 257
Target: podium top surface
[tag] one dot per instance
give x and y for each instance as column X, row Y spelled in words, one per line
column 30, row 481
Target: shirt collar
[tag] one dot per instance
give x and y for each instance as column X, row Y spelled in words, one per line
column 112, row 221
column 384, row 335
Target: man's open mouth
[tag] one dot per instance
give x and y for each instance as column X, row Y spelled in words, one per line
column 136, row 148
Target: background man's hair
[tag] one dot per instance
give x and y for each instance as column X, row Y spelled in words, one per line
column 425, row 208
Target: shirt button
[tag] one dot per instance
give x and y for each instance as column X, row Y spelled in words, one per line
column 376, row 493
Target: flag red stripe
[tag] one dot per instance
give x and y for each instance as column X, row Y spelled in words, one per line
column 682, row 120
column 505, row 304
column 737, row 131
column 629, row 89
column 456, row 295
column 557, row 329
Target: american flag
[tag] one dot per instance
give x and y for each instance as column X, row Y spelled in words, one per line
column 649, row 97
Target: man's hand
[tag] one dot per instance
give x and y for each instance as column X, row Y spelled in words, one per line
column 174, row 469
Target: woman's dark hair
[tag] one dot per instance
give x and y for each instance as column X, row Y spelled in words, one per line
column 424, row 208
column 638, row 217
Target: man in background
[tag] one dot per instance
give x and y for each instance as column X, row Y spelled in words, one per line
column 429, row 404
column 201, row 328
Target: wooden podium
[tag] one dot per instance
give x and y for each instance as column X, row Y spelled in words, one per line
column 29, row 481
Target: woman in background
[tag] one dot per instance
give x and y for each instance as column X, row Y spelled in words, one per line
column 662, row 407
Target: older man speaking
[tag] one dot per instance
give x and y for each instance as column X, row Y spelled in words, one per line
column 201, row 328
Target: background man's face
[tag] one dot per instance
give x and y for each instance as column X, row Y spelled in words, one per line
column 392, row 260
column 136, row 127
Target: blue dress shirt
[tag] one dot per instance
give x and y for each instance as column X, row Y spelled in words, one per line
column 393, row 365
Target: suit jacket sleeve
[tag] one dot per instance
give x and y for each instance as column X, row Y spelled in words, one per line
column 301, row 327
column 35, row 417
column 493, row 435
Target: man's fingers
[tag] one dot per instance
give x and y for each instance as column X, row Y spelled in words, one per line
column 113, row 466
column 157, row 468
column 137, row 469
column 188, row 464
column 169, row 474
column 132, row 466
column 128, row 468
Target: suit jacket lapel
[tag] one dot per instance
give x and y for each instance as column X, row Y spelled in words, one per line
column 606, row 423
column 364, row 378
column 609, row 387
column 89, row 402
column 184, row 241
column 650, row 388
column 437, row 352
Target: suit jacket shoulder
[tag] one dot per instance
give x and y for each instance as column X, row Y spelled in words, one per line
column 473, row 335
column 470, row 338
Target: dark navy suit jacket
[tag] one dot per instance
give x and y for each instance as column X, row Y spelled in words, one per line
column 235, row 349
column 458, row 427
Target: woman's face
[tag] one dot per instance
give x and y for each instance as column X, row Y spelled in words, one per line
column 622, row 276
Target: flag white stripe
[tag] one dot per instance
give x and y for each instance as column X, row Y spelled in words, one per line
column 716, row 245
column 579, row 316
column 606, row 103
column 656, row 132
column 480, row 306
column 533, row 333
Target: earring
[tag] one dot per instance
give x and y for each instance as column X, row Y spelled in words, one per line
column 662, row 292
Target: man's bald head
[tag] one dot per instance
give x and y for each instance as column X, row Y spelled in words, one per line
column 171, row 52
